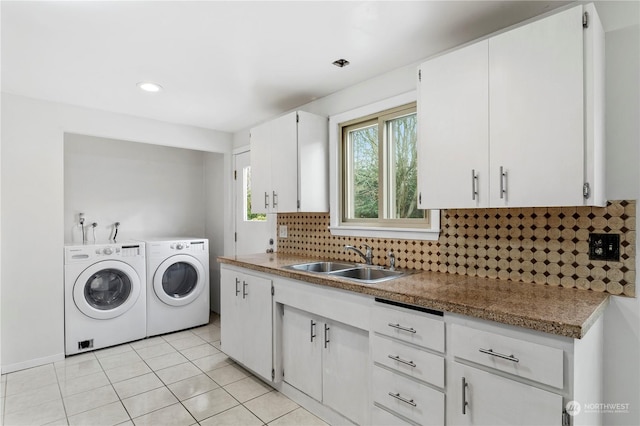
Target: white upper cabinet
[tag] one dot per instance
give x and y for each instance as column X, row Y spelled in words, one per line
column 515, row 120
column 289, row 164
column 536, row 113
column 453, row 132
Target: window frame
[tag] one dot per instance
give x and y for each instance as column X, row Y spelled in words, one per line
column 386, row 175
column 392, row 228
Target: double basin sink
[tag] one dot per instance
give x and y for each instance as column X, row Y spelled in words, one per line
column 365, row 274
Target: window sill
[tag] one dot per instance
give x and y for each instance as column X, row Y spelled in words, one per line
column 377, row 232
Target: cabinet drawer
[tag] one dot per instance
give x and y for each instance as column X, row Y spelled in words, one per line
column 415, row 327
column 410, row 360
column 407, row 397
column 533, row 361
column 380, row 417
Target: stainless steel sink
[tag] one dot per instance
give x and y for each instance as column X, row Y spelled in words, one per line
column 368, row 275
column 322, row 267
column 364, row 274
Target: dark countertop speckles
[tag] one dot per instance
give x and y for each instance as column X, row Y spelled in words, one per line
column 566, row 312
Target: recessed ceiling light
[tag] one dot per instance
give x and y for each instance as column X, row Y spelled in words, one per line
column 341, row 63
column 148, row 86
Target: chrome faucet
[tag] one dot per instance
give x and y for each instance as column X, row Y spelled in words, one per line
column 392, row 261
column 368, row 257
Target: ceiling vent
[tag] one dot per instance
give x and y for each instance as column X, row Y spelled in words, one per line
column 341, row 63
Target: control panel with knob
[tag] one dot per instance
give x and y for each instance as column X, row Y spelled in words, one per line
column 179, row 246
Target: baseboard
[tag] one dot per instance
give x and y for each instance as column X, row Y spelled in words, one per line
column 10, row 368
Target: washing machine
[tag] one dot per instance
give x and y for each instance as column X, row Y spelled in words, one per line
column 177, row 284
column 104, row 295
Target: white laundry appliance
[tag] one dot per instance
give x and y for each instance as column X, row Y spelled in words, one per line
column 177, row 284
column 104, row 295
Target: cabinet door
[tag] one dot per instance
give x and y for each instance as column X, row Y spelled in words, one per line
column 536, row 113
column 453, row 133
column 313, row 165
column 345, row 371
column 495, row 400
column 302, row 343
column 257, row 319
column 231, row 326
column 261, row 168
column 284, row 163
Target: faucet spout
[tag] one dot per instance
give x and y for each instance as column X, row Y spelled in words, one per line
column 368, row 256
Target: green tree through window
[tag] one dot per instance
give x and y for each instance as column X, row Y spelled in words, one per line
column 380, row 170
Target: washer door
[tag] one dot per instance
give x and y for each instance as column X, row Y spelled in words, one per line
column 106, row 289
column 179, row 280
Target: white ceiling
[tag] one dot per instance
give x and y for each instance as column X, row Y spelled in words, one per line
column 227, row 65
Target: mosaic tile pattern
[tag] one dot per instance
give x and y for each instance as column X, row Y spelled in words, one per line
column 533, row 245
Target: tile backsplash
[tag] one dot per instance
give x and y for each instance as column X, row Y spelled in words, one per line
column 533, row 245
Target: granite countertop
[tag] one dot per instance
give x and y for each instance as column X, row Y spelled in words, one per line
column 562, row 311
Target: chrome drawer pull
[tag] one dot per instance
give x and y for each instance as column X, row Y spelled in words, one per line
column 237, row 289
column 503, row 183
column 474, row 181
column 397, row 358
column 464, row 396
column 406, row 401
column 399, row 327
column 326, row 335
column 499, row 355
column 313, row 330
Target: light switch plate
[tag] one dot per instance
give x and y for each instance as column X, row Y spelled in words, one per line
column 604, row 247
column 282, row 232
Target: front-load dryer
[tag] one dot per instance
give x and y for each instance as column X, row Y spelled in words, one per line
column 104, row 295
column 177, row 284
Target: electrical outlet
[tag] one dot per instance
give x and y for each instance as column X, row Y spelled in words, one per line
column 604, row 247
column 283, row 233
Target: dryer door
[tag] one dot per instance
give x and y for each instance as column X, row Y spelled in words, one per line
column 179, row 280
column 106, row 289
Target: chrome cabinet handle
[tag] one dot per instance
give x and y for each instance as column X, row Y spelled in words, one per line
column 503, row 182
column 499, row 355
column 403, row 361
column 399, row 327
column 266, row 200
column 326, row 335
column 237, row 289
column 474, row 181
column 244, row 290
column 313, row 330
column 464, row 396
column 274, row 200
column 405, row 400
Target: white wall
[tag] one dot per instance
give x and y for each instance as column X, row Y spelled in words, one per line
column 622, row 318
column 32, row 215
column 215, row 171
column 153, row 191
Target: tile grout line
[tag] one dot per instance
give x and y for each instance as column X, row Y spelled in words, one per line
column 111, row 383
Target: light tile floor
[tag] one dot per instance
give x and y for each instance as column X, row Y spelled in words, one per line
column 180, row 378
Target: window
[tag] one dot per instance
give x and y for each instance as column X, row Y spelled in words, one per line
column 378, row 159
column 249, row 215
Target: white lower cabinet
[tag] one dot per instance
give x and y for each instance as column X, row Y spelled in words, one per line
column 246, row 320
column 409, row 398
column 408, row 371
column 349, row 359
column 505, row 375
column 482, row 398
column 326, row 360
